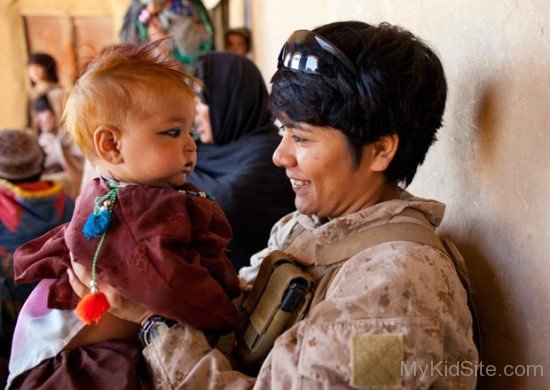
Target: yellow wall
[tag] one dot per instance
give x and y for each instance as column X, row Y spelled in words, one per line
column 492, row 163
column 236, row 14
column 13, row 52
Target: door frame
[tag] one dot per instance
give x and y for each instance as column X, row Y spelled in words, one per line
column 14, row 82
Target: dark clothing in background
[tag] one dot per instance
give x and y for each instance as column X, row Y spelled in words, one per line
column 237, row 168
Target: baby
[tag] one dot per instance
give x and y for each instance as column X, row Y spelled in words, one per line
column 140, row 227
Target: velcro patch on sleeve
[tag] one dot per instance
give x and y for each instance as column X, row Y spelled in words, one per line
column 376, row 360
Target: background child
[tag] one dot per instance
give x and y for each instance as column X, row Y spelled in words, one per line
column 239, row 41
column 30, row 207
column 63, row 159
column 156, row 239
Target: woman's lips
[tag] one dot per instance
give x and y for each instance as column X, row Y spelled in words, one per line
column 298, row 185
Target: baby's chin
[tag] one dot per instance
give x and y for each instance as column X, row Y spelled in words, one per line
column 159, row 182
column 170, row 184
column 163, row 183
column 177, row 181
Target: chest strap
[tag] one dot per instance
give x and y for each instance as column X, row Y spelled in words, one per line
column 306, row 248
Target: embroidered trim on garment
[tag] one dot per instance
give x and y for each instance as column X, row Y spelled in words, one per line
column 53, row 190
column 199, row 194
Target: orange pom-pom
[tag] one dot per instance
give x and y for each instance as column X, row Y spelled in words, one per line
column 92, row 307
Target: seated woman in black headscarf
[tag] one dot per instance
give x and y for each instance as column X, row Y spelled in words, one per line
column 237, row 141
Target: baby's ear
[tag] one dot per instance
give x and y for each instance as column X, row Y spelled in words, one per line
column 107, row 144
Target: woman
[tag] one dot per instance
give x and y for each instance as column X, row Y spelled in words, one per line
column 42, row 71
column 361, row 105
column 186, row 21
column 237, row 140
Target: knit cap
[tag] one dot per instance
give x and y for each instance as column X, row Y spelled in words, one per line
column 20, row 155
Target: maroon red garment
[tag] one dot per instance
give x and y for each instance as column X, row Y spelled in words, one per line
column 164, row 249
column 113, row 364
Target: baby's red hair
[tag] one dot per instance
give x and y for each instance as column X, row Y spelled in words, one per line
column 122, row 80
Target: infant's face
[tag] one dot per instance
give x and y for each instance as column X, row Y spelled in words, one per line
column 158, row 150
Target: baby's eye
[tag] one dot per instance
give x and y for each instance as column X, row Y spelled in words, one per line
column 175, row 132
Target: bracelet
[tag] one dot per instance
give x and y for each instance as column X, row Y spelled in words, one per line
column 154, row 327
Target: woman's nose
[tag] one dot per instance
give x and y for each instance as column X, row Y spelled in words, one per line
column 282, row 157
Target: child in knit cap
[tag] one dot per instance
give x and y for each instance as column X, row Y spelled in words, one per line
column 29, row 208
column 140, row 227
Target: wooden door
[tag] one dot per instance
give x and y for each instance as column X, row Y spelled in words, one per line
column 72, row 41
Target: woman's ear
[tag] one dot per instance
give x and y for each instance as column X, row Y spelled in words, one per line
column 107, row 144
column 383, row 152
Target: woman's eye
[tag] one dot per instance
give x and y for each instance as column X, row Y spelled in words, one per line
column 175, row 132
column 298, row 139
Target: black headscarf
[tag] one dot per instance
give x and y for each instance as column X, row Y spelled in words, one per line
column 237, row 167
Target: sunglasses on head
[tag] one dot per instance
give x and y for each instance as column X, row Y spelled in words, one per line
column 308, row 52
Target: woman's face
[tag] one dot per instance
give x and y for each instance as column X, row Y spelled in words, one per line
column 46, row 121
column 202, row 121
column 37, row 73
column 236, row 43
column 321, row 168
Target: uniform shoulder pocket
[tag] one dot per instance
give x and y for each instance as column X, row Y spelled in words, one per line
column 355, row 352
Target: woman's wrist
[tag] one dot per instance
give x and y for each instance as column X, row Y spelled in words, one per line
column 145, row 317
column 153, row 327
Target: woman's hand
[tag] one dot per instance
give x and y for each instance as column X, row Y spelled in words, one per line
column 80, row 278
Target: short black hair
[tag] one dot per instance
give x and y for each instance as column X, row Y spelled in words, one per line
column 47, row 62
column 400, row 89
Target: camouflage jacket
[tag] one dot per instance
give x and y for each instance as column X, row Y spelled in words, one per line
column 394, row 316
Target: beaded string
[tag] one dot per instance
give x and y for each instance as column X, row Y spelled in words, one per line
column 92, row 306
column 200, row 194
column 103, row 204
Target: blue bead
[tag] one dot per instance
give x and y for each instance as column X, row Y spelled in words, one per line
column 96, row 224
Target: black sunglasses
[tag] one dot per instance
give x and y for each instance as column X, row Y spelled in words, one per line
column 307, row 52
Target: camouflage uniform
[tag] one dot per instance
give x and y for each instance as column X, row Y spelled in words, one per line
column 388, row 310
